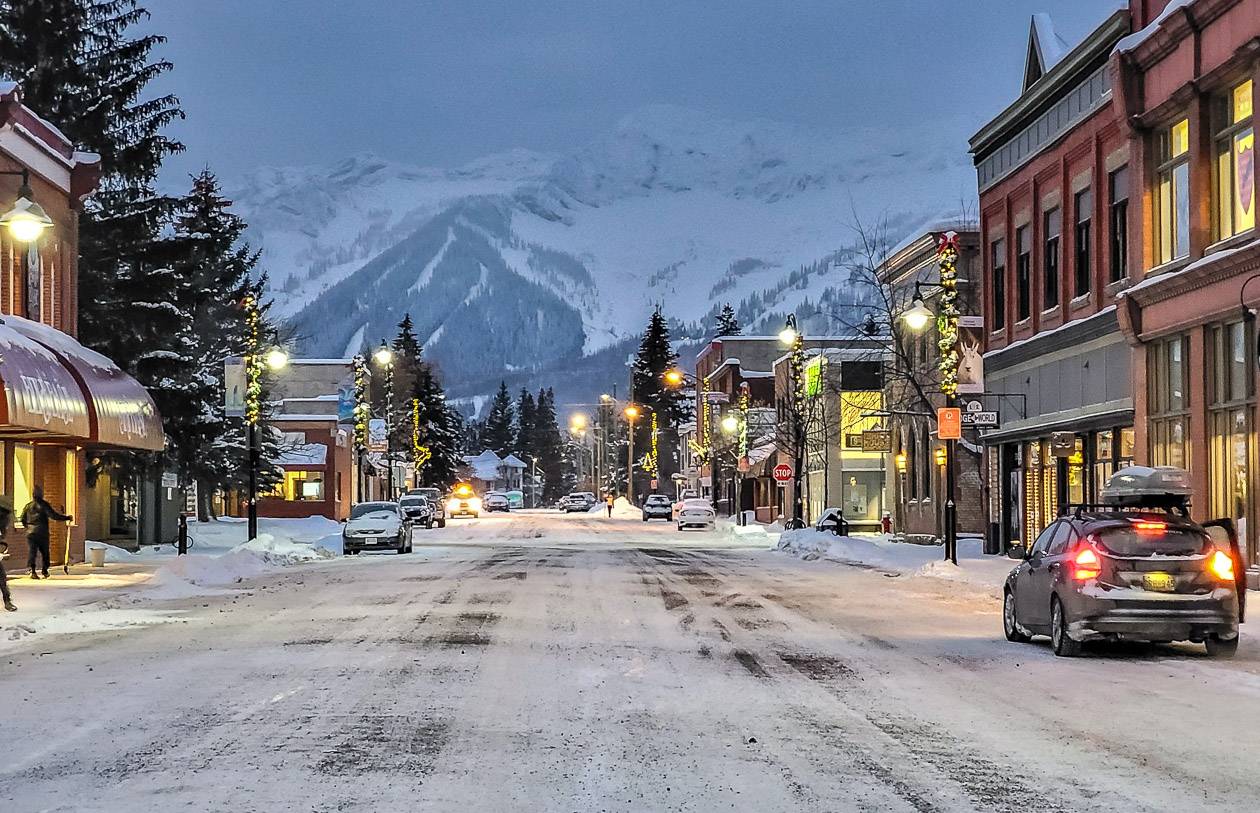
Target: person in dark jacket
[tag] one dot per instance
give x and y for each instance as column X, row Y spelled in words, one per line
column 6, row 514
column 35, row 516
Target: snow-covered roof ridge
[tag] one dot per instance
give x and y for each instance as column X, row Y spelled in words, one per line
column 1135, row 39
column 1051, row 46
column 934, row 225
column 514, row 462
column 1074, row 323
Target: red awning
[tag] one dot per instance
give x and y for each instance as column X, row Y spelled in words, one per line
column 40, row 394
column 122, row 412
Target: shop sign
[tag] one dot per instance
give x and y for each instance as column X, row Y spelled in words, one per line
column 1063, row 444
column 975, row 416
column 877, row 440
column 949, row 423
column 378, row 439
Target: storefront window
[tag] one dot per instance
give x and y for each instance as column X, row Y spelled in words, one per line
column 1076, row 474
column 1173, row 185
column 1167, row 402
column 72, row 484
column 300, row 486
column 1049, row 486
column 1235, row 163
column 23, row 477
column 1229, row 422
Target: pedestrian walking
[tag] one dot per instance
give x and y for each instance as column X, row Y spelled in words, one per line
column 35, row 516
column 6, row 514
column 608, row 501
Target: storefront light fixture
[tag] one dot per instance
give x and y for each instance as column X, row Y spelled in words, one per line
column 27, row 220
column 939, row 456
column 900, row 460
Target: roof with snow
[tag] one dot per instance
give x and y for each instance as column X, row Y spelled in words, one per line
column 485, row 466
column 514, row 462
column 1045, row 48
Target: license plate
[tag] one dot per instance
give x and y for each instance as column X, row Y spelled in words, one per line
column 1159, row 582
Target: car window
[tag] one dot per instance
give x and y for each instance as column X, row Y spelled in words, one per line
column 1064, row 536
column 365, row 508
column 1043, row 541
column 1153, row 538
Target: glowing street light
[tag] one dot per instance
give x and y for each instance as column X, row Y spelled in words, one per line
column 383, row 355
column 27, row 220
column 789, row 334
column 919, row 315
column 632, row 412
column 730, row 424
column 674, row 378
column 276, row 359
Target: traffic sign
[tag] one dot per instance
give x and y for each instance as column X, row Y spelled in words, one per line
column 783, row 473
column 949, row 423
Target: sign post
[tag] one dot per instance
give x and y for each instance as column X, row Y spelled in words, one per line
column 783, row 473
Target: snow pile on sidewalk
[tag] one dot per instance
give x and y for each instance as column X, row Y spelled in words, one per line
column 974, row 568
column 246, row 560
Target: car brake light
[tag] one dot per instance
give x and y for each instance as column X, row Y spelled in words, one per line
column 1149, row 526
column 1086, row 564
column 1222, row 566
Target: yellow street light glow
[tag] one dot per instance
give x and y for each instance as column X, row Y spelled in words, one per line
column 632, row 412
column 788, row 335
column 900, row 459
column 276, row 358
column 605, row 397
column 383, row 355
column 730, row 424
column 578, row 421
column 673, row 377
column 918, row 316
column 26, row 221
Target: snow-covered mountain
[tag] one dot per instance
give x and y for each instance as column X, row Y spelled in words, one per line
column 522, row 265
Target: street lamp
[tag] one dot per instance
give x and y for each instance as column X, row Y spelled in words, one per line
column 276, row 359
column 791, row 337
column 730, row 424
column 917, row 319
column 384, row 357
column 632, row 413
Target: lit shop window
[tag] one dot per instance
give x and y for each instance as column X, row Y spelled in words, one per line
column 1173, row 185
column 23, row 477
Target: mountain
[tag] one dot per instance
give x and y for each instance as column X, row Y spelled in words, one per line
column 541, row 269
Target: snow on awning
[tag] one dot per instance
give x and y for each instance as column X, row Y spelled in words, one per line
column 118, row 411
column 40, row 393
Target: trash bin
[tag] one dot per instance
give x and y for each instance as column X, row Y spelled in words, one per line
column 97, row 556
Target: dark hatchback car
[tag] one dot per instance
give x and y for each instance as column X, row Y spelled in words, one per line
column 658, row 506
column 418, row 509
column 1126, row 572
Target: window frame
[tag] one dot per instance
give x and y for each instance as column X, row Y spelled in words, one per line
column 1082, row 237
column 997, row 253
column 1168, row 165
column 1051, row 253
column 1023, row 272
column 1162, row 413
column 1224, row 132
column 1118, row 223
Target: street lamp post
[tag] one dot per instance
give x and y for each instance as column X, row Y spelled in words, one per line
column 631, row 413
column 791, row 337
column 362, row 416
column 917, row 318
column 256, row 358
column 384, row 357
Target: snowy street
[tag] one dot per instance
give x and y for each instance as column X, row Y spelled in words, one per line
column 549, row 662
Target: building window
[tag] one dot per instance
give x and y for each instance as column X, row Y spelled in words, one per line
column 998, row 253
column 926, row 463
column 1172, row 201
column 23, row 477
column 1168, row 403
column 1235, row 164
column 1023, row 272
column 1230, row 396
column 300, row 486
column 72, row 486
column 1050, row 258
column 1083, row 207
column 1118, row 223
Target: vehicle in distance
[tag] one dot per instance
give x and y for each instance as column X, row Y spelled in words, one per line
column 657, row 506
column 434, row 496
column 578, row 501
column 1136, row 568
column 463, row 502
column 495, row 502
column 418, row 509
column 376, row 526
column 696, row 514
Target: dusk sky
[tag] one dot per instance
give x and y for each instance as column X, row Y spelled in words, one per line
column 281, row 82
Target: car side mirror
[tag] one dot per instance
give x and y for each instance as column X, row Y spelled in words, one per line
column 1017, row 552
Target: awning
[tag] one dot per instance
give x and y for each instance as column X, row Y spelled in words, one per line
column 120, row 412
column 40, row 393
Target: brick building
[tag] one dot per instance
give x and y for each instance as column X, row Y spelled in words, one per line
column 1190, row 75
column 1054, row 179
column 63, row 404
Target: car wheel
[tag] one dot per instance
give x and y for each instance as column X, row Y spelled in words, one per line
column 1061, row 642
column 1010, row 623
column 1220, row 647
column 351, row 552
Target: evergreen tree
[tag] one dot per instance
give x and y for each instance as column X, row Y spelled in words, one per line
column 499, row 433
column 654, row 358
column 556, row 471
column 526, row 425
column 727, row 322
column 440, row 427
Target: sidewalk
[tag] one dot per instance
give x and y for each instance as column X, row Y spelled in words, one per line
column 89, row 599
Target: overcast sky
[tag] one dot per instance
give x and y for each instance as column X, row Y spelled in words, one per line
column 280, row 82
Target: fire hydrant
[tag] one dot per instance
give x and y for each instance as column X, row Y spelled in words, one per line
column 885, row 523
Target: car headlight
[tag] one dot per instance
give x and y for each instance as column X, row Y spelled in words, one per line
column 451, row 505
column 474, row 504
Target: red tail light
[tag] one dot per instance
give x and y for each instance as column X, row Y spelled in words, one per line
column 1149, row 526
column 1086, row 564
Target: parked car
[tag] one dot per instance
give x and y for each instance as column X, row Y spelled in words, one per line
column 657, row 506
column 696, row 513
column 516, row 498
column 463, row 502
column 434, row 496
column 1135, row 569
column 376, row 526
column 418, row 509
column 495, row 502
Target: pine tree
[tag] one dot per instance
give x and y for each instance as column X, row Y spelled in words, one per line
column 557, row 472
column 526, row 425
column 499, row 434
column 727, row 322
column 654, row 358
column 439, row 427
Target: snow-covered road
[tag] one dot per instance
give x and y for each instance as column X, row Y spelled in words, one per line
column 540, row 662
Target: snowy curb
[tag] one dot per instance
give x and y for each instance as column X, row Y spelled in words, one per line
column 975, row 570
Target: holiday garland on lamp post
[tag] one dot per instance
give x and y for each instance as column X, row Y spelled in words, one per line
column 362, row 414
column 253, row 361
column 947, row 316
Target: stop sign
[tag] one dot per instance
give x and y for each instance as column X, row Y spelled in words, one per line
column 782, row 473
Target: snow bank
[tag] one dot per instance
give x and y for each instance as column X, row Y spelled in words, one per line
column 974, row 568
